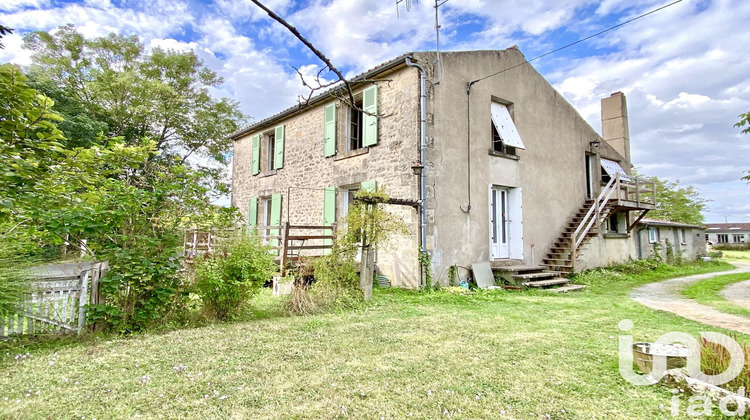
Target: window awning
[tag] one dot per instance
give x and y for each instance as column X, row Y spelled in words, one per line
column 612, row 168
column 505, row 127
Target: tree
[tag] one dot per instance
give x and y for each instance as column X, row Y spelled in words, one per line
column 120, row 200
column 163, row 95
column 677, row 203
column 744, row 122
column 4, row 30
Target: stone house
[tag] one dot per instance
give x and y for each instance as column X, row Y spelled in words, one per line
column 728, row 234
column 510, row 172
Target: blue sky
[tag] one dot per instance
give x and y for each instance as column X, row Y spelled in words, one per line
column 684, row 69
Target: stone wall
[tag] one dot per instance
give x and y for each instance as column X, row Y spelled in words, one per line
column 306, row 172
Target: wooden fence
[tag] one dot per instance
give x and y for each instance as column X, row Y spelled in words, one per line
column 56, row 303
column 287, row 242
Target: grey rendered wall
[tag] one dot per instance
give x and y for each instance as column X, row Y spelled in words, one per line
column 550, row 171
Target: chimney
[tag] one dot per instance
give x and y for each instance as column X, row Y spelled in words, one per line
column 615, row 124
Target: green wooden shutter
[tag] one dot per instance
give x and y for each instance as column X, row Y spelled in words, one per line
column 275, row 218
column 252, row 212
column 329, row 131
column 256, row 154
column 329, row 211
column 370, row 108
column 278, row 158
column 368, row 186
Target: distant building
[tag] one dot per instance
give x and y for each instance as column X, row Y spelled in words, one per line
column 728, row 234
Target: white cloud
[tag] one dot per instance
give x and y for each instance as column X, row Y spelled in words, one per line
column 247, row 10
column 14, row 52
column 684, row 69
column 13, row 5
column 150, row 19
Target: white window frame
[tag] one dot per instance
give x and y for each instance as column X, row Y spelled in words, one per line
column 265, row 204
column 681, row 236
column 350, row 111
column 653, row 235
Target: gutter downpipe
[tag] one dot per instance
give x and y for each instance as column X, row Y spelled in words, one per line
column 640, row 247
column 422, row 154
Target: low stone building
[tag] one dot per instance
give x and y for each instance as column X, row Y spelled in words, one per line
column 510, row 172
column 669, row 239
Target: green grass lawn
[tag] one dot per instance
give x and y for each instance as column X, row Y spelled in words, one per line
column 736, row 255
column 514, row 355
column 707, row 292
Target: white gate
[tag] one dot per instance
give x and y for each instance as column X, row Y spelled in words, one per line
column 55, row 304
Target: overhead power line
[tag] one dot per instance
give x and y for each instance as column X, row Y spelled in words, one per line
column 577, row 42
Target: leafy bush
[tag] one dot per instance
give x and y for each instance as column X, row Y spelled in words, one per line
column 231, row 275
column 13, row 288
column 143, row 286
column 336, row 279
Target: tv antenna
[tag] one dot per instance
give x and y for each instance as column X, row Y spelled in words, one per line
column 438, row 61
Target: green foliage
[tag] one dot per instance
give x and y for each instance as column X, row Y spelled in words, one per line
column 127, row 201
column 629, row 274
column 111, row 84
column 677, row 203
column 744, row 123
column 453, row 276
column 14, row 287
column 227, row 278
column 368, row 223
column 715, row 360
column 424, row 262
column 142, row 288
column 336, row 279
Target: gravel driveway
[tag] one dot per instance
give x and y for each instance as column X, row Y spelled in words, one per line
column 665, row 296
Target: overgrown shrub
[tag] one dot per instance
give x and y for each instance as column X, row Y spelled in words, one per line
column 715, row 360
column 335, row 285
column 142, row 287
column 13, row 289
column 336, row 279
column 300, row 300
column 232, row 274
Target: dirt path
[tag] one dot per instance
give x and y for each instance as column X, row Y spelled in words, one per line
column 665, row 296
column 738, row 293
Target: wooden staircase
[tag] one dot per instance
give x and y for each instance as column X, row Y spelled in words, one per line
column 560, row 255
column 534, row 277
column 622, row 193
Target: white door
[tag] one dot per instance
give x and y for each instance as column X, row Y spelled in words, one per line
column 499, row 223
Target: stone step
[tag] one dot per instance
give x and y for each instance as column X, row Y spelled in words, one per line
column 567, row 288
column 505, row 263
column 536, row 276
column 519, row 268
column 547, row 283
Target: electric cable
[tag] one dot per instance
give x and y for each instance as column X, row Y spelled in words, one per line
column 577, row 42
